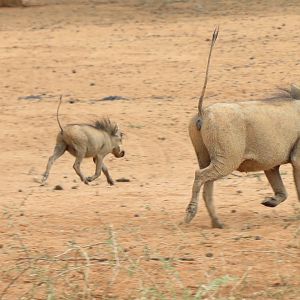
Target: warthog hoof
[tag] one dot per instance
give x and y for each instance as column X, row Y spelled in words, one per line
column 44, row 178
column 191, row 212
column 217, row 224
column 89, row 179
column 85, row 180
column 110, row 182
column 270, row 202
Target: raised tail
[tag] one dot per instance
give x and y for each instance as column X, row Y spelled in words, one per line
column 57, row 118
column 200, row 103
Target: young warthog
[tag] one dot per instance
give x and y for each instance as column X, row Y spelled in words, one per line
column 244, row 136
column 84, row 140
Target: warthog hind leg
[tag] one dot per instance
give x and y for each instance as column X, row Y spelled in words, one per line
column 192, row 207
column 59, row 150
column 211, row 173
column 76, row 167
column 276, row 183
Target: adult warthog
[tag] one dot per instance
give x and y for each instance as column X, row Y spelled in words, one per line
column 244, row 136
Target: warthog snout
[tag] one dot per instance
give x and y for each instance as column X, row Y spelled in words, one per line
column 117, row 152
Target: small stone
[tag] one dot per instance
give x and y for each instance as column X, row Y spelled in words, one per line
column 209, row 254
column 58, row 188
column 276, row 284
column 20, row 190
column 246, row 227
column 233, row 211
column 75, row 187
column 257, row 238
column 113, row 98
column 74, row 71
column 123, row 179
column 186, row 259
column 92, row 83
column 136, row 215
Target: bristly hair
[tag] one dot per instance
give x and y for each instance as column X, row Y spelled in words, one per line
column 106, row 125
column 285, row 93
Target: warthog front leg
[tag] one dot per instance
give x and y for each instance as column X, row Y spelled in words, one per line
column 98, row 160
column 107, row 175
column 276, row 183
column 59, row 150
column 104, row 170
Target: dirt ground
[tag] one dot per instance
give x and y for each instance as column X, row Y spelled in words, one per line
column 128, row 241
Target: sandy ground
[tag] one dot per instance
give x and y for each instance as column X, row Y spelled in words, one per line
column 127, row 241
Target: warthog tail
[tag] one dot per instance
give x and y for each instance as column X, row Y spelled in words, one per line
column 61, row 130
column 213, row 40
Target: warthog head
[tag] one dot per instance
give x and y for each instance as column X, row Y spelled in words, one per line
column 115, row 134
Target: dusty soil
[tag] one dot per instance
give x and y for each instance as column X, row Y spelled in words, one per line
column 128, row 241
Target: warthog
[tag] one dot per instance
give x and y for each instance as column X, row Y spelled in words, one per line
column 244, row 136
column 87, row 140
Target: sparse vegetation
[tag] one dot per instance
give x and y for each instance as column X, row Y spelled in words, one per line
column 94, row 271
column 71, row 274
